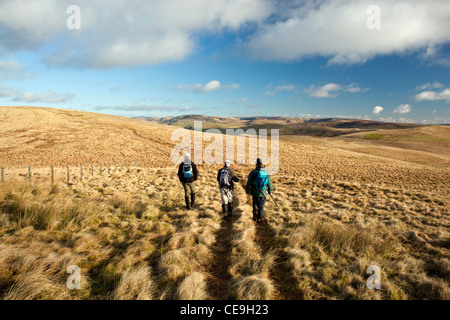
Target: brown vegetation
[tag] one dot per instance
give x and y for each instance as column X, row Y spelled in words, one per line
column 344, row 204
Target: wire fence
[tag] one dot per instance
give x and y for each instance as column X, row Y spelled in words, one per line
column 71, row 171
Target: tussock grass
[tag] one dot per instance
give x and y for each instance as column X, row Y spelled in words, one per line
column 343, row 207
column 136, row 284
column 41, row 208
column 35, row 285
column 324, row 237
column 336, row 238
column 182, row 262
column 253, row 288
column 193, row 287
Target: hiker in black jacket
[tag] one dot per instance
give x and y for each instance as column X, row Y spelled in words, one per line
column 188, row 174
column 226, row 179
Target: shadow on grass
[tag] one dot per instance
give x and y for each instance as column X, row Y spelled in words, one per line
column 218, row 285
column 281, row 272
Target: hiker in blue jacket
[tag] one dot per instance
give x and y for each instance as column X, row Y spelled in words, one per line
column 188, row 174
column 258, row 184
column 226, row 178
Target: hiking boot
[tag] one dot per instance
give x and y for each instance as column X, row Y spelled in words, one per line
column 192, row 199
column 187, row 202
column 230, row 209
column 255, row 215
column 224, row 209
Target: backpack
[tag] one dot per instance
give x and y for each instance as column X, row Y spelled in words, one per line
column 224, row 179
column 187, row 171
column 261, row 179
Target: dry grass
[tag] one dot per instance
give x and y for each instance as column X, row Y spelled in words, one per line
column 136, row 284
column 193, row 287
column 253, row 288
column 343, row 207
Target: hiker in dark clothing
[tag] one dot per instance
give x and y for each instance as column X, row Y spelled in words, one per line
column 258, row 184
column 226, row 179
column 188, row 174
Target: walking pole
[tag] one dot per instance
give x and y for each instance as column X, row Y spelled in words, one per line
column 274, row 201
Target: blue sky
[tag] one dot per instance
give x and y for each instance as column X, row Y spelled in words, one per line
column 380, row 60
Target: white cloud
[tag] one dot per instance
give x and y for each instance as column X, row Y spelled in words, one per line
column 47, row 97
column 33, row 97
column 122, row 33
column 130, row 33
column 13, row 70
column 213, row 85
column 6, row 92
column 430, row 85
column 404, row 120
column 403, row 109
column 377, row 110
column 289, row 87
column 182, row 86
column 388, row 119
column 433, row 95
column 354, row 88
column 332, row 90
column 338, row 30
column 271, row 93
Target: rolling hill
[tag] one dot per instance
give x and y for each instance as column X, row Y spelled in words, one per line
column 344, row 203
column 328, row 127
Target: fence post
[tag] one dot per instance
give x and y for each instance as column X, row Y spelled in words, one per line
column 81, row 172
column 108, row 168
column 67, row 174
column 29, row 173
column 2, row 173
column 51, row 174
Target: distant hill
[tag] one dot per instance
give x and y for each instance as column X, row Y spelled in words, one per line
column 324, row 127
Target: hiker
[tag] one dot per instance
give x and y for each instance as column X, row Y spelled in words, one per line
column 188, row 174
column 226, row 179
column 258, row 184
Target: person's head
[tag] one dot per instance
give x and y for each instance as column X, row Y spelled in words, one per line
column 228, row 163
column 187, row 156
column 259, row 162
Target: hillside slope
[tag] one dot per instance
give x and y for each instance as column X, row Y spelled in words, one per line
column 44, row 136
column 343, row 204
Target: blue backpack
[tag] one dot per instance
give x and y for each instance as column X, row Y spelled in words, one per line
column 187, row 171
column 261, row 179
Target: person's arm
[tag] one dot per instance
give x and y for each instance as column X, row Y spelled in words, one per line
column 218, row 175
column 194, row 168
column 248, row 188
column 234, row 177
column 180, row 172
